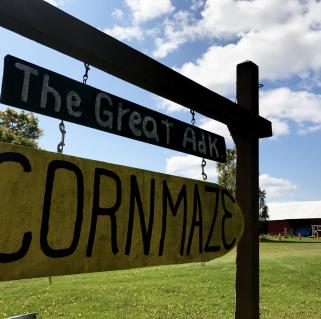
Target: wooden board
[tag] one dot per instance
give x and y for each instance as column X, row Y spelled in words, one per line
column 36, row 89
column 64, row 215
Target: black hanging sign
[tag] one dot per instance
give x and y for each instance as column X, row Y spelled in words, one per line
column 33, row 88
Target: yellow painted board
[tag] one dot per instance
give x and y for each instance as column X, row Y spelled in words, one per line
column 64, row 215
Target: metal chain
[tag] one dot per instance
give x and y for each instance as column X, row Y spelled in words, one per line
column 203, row 164
column 193, row 117
column 62, row 128
column 85, row 77
column 204, row 175
column 60, row 146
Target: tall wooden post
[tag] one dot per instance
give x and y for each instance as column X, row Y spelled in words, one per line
column 247, row 192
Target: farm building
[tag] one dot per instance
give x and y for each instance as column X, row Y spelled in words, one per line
column 294, row 217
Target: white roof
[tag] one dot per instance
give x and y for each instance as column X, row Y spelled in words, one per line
column 294, row 210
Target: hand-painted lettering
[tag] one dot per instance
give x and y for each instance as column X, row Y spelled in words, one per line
column 135, row 197
column 107, row 123
column 167, row 198
column 226, row 215
column 196, row 222
column 189, row 137
column 121, row 113
column 94, row 216
column 27, row 236
column 202, row 145
column 135, row 119
column 26, row 79
column 46, row 89
column 212, row 144
column 168, row 125
column 73, row 100
column 39, row 90
column 104, row 211
column 150, row 128
column 208, row 247
column 52, row 168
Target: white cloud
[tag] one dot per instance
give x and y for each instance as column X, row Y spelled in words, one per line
column 177, row 30
column 118, row 14
column 282, row 105
column 189, row 166
column 125, row 33
column 197, row 4
column 295, row 210
column 170, row 106
column 229, row 18
column 299, row 106
column 144, row 10
column 276, row 187
column 164, row 47
column 310, row 129
column 283, row 40
column 279, row 127
column 217, row 128
column 212, row 69
column 280, row 54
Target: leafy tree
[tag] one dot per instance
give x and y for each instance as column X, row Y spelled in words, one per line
column 227, row 178
column 19, row 128
column 227, row 171
column 263, row 208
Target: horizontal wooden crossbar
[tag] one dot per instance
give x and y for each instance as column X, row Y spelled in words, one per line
column 50, row 26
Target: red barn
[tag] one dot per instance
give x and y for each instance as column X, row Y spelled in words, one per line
column 294, row 218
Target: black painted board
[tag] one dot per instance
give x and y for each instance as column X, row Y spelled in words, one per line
column 33, row 88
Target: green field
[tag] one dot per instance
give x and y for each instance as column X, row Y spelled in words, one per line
column 290, row 288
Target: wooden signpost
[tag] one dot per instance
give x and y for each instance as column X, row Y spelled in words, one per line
column 54, row 28
column 76, row 215
column 36, row 89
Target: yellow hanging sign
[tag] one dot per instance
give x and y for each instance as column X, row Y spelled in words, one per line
column 64, row 215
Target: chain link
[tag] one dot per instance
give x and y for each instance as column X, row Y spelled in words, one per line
column 203, row 164
column 204, row 175
column 85, row 77
column 60, row 146
column 60, row 149
column 193, row 117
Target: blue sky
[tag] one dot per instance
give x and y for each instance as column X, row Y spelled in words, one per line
column 204, row 40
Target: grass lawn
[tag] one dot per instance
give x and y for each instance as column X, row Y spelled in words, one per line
column 290, row 288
